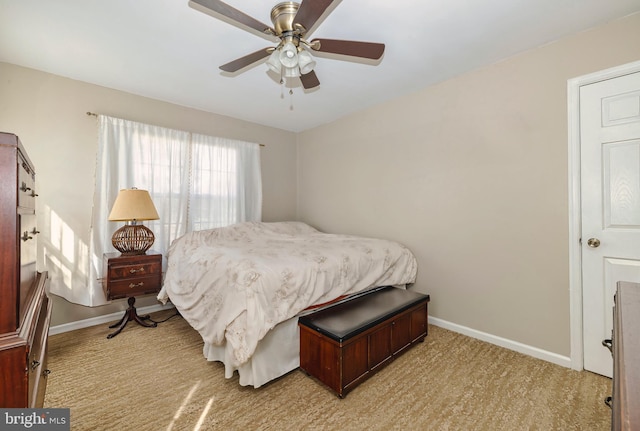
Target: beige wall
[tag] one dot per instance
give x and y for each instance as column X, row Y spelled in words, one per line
column 47, row 112
column 472, row 175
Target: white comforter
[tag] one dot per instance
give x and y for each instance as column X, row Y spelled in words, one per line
column 234, row 284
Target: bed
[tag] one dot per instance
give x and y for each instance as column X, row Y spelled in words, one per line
column 242, row 287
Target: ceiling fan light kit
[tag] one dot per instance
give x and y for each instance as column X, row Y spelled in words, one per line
column 291, row 21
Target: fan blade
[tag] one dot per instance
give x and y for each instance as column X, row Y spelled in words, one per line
column 234, row 16
column 235, row 65
column 309, row 80
column 310, row 11
column 349, row 47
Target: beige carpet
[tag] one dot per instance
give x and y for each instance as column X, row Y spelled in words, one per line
column 157, row 379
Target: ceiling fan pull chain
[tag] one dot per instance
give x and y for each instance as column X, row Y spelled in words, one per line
column 281, row 76
column 281, row 85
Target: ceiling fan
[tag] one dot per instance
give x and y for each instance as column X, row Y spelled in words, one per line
column 291, row 24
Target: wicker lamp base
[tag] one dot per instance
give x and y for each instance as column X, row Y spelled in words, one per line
column 133, row 239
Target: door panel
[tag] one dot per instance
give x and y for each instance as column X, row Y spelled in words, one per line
column 621, row 184
column 620, row 109
column 610, row 198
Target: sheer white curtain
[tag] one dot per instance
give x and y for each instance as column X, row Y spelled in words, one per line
column 226, row 183
column 196, row 182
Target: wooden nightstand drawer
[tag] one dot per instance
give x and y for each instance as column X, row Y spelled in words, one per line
column 133, row 287
column 136, row 269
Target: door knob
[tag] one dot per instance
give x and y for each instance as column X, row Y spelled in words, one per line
column 593, row 242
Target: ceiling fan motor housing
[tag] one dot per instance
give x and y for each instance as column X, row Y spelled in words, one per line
column 282, row 16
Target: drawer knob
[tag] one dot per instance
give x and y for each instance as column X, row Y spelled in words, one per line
column 132, row 285
column 133, row 270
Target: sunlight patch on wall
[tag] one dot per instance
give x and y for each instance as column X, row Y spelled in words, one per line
column 58, row 270
column 62, row 237
column 64, row 255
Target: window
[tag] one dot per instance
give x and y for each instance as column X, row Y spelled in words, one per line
column 196, row 182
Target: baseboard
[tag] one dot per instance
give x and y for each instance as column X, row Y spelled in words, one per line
column 564, row 361
column 101, row 320
column 483, row 336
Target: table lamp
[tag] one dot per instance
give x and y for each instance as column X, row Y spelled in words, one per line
column 132, row 206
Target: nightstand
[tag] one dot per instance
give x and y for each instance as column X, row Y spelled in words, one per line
column 128, row 277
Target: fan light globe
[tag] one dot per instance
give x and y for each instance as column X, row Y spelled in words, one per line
column 274, row 62
column 291, row 72
column 289, row 55
column 305, row 60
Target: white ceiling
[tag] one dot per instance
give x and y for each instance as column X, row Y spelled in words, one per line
column 166, row 50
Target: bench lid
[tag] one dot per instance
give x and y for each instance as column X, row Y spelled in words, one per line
column 347, row 319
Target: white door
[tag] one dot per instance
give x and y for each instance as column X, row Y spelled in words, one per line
column 610, row 196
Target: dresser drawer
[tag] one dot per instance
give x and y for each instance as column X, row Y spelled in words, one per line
column 28, row 257
column 26, row 185
column 37, row 363
column 134, row 269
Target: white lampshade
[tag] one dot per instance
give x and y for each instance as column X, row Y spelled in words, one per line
column 133, row 204
column 306, row 62
column 289, row 55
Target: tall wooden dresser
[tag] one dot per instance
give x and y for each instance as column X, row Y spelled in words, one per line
column 25, row 309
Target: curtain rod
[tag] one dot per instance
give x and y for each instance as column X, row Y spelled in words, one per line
column 93, row 114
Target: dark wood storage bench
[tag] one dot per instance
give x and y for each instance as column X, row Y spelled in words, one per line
column 344, row 344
